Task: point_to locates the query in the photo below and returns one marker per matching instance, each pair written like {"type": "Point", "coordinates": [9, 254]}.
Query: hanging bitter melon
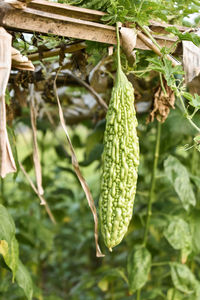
{"type": "Point", "coordinates": [120, 161]}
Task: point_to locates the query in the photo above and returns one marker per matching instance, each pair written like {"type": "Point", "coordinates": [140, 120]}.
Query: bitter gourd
{"type": "Point", "coordinates": [120, 161]}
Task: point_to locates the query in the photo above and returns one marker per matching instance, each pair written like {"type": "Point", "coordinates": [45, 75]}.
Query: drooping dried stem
{"type": "Point", "coordinates": [97, 97]}
{"type": "Point", "coordinates": [36, 159]}
{"type": "Point", "coordinates": [42, 200]}
{"type": "Point", "coordinates": [78, 172]}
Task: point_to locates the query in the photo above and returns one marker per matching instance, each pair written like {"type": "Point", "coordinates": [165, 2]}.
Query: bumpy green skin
{"type": "Point", "coordinates": [120, 163]}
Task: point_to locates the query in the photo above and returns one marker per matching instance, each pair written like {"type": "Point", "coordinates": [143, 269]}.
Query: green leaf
{"type": "Point", "coordinates": [194, 221]}
{"type": "Point", "coordinates": [139, 265]}
{"type": "Point", "coordinates": [197, 142]}
{"type": "Point", "coordinates": [165, 67]}
{"type": "Point", "coordinates": [116, 13]}
{"type": "Point", "coordinates": [95, 154]}
{"type": "Point", "coordinates": [188, 96]}
{"type": "Point", "coordinates": [179, 178]}
{"type": "Point", "coordinates": [96, 137]}
{"type": "Point", "coordinates": [183, 279]}
{"type": "Point", "coordinates": [195, 101]}
{"type": "Point", "coordinates": [10, 253]}
{"type": "Point", "coordinates": [46, 236]}
{"type": "Point", "coordinates": [154, 293]}
{"type": "Point", "coordinates": [173, 294]}
{"type": "Point", "coordinates": [8, 243]}
{"type": "Point", "coordinates": [12, 139]}
{"type": "Point", "coordinates": [7, 97]}
{"type": "Point", "coordinates": [115, 272]}
{"type": "Point", "coordinates": [28, 161]}
{"type": "Point", "coordinates": [179, 236]}
{"type": "Point", "coordinates": [187, 36]}
{"type": "Point", "coordinates": [156, 64]}
{"type": "Point", "coordinates": [24, 280]}
{"type": "Point", "coordinates": [103, 284]}
{"type": "Point", "coordinates": [7, 226]}
{"type": "Point", "coordinates": [3, 248]}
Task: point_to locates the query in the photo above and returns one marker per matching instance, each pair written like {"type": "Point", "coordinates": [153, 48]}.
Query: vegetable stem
{"type": "Point", "coordinates": [153, 182]}
{"type": "Point", "coordinates": [118, 46]}
{"type": "Point", "coordinates": [118, 51]}
{"type": "Point", "coordinates": [162, 84]}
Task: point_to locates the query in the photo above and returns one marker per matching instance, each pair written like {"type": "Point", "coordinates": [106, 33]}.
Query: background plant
{"type": "Point", "coordinates": [159, 257]}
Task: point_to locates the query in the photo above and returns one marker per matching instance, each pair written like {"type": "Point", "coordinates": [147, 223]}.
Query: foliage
{"type": "Point", "coordinates": [185, 36]}
{"type": "Point", "coordinates": [47, 249]}
{"type": "Point", "coordinates": [139, 265]}
{"type": "Point", "coordinates": [140, 10]}
{"type": "Point", "coordinates": [158, 259]}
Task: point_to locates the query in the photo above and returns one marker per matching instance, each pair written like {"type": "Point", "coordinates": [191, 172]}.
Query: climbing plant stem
{"type": "Point", "coordinates": [153, 182]}
{"type": "Point", "coordinates": [138, 294]}
{"type": "Point", "coordinates": [162, 84]}
{"type": "Point", "coordinates": [145, 30]}
{"type": "Point", "coordinates": [118, 50]}
{"type": "Point", "coordinates": [152, 188]}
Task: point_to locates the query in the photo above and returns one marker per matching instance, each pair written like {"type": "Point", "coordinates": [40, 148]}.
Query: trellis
{"type": "Point", "coordinates": [69, 21]}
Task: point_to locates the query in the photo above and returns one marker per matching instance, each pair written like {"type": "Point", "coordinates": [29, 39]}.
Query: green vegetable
{"type": "Point", "coordinates": [120, 161]}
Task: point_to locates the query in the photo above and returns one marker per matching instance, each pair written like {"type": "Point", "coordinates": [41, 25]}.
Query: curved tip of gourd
{"type": "Point", "coordinates": [110, 249]}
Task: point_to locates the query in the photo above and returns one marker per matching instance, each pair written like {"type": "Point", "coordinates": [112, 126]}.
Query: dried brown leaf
{"type": "Point", "coordinates": [20, 61]}
{"type": "Point", "coordinates": [129, 39]}
{"type": "Point", "coordinates": [191, 60]}
{"type": "Point", "coordinates": [163, 102]}
{"type": "Point", "coordinates": [7, 163]}
{"type": "Point", "coordinates": [78, 173]}
{"type": "Point", "coordinates": [97, 97]}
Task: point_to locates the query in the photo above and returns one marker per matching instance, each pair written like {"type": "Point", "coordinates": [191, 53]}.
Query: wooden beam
{"type": "Point", "coordinates": [32, 20]}
{"type": "Point", "coordinates": [51, 53]}
{"type": "Point", "coordinates": [88, 14]}
{"type": "Point", "coordinates": [160, 27]}
{"type": "Point", "coordinates": [42, 22]}
{"type": "Point", "coordinates": [67, 10]}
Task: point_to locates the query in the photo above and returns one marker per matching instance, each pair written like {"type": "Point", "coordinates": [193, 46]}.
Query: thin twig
{"type": "Point", "coordinates": [98, 98]}
{"type": "Point", "coordinates": [36, 159]}
{"type": "Point", "coordinates": [47, 208]}
{"type": "Point", "coordinates": [70, 48]}
{"type": "Point", "coordinates": [78, 172]}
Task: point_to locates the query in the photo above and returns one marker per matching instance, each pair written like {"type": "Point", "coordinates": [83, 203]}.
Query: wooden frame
{"type": "Point", "coordinates": [68, 21]}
